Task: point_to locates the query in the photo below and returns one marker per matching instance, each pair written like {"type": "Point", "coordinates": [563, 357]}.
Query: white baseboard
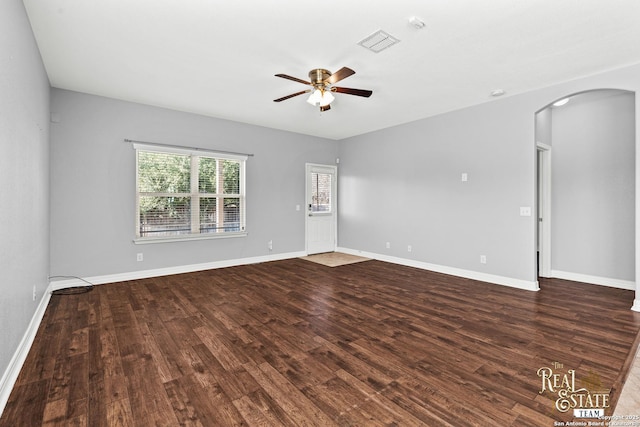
{"type": "Point", "coordinates": [636, 305]}
{"type": "Point", "coordinates": [594, 280]}
{"type": "Point", "coordinates": [467, 274]}
{"type": "Point", "coordinates": [157, 272]}
{"type": "Point", "coordinates": [10, 375]}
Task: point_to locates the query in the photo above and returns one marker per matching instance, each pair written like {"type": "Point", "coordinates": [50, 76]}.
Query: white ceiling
{"type": "Point", "coordinates": [218, 58]}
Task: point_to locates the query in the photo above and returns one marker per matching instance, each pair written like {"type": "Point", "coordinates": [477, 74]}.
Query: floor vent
{"type": "Point", "coordinates": [378, 41]}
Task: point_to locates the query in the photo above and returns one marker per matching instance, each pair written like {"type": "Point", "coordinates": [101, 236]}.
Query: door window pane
{"type": "Point", "coordinates": [321, 192]}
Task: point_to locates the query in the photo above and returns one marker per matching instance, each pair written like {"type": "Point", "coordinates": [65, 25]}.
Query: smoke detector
{"type": "Point", "coordinates": [417, 22]}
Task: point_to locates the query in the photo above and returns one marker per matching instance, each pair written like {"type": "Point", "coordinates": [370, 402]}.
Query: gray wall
{"type": "Point", "coordinates": [24, 177]}
{"type": "Point", "coordinates": [402, 185]}
{"type": "Point", "coordinates": [593, 191]}
{"type": "Point", "coordinates": [93, 185]}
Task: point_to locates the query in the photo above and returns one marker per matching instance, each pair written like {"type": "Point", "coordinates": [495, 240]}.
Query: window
{"type": "Point", "coordinates": [187, 194]}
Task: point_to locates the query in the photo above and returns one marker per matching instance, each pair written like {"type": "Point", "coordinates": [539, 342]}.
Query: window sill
{"type": "Point", "coordinates": [184, 238]}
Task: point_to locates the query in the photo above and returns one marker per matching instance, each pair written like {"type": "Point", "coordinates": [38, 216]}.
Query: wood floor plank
{"type": "Point", "coordinates": [61, 376]}
{"type": "Point", "coordinates": [338, 357]}
{"type": "Point", "coordinates": [185, 412]}
{"type": "Point", "coordinates": [118, 414]}
{"type": "Point", "coordinates": [289, 398]}
{"type": "Point", "coordinates": [78, 386]}
{"type": "Point", "coordinates": [212, 406]}
{"type": "Point", "coordinates": [29, 408]}
{"type": "Point", "coordinates": [107, 362]}
{"type": "Point", "coordinates": [291, 343]}
{"type": "Point", "coordinates": [377, 404]}
{"type": "Point", "coordinates": [268, 407]}
{"type": "Point", "coordinates": [252, 413]}
{"type": "Point", "coordinates": [147, 396]}
{"type": "Point", "coordinates": [55, 412]}
{"type": "Point", "coordinates": [335, 397]}
{"type": "Point", "coordinates": [230, 360]}
{"type": "Point", "coordinates": [163, 350]}
{"type": "Point", "coordinates": [235, 383]}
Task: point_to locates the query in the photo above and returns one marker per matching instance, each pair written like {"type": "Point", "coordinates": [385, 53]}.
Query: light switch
{"type": "Point", "coordinates": [525, 211]}
{"type": "Point", "coordinates": [465, 177]}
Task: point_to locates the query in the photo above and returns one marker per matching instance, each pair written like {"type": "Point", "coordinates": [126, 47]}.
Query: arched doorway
{"type": "Point", "coordinates": [586, 188]}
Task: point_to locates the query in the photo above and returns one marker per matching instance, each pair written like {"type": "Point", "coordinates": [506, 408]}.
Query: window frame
{"type": "Point", "coordinates": [193, 194]}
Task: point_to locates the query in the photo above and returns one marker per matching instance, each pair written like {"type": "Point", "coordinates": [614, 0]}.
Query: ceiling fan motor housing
{"type": "Point", "coordinates": [318, 76]}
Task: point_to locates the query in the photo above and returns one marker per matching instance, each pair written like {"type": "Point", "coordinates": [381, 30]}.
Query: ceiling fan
{"type": "Point", "coordinates": [321, 83]}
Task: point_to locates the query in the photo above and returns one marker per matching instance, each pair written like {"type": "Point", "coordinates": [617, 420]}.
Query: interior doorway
{"type": "Point", "coordinates": [543, 166]}
{"type": "Point", "coordinates": [585, 228]}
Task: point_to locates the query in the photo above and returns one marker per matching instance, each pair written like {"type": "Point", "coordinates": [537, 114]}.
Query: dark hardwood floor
{"type": "Point", "coordinates": [295, 343]}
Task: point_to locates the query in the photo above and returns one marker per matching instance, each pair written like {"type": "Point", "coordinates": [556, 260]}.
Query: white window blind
{"type": "Point", "coordinates": [183, 193]}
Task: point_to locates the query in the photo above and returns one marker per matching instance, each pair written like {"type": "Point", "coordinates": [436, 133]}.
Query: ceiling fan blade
{"type": "Point", "coordinates": [292, 95]}
{"type": "Point", "coordinates": [325, 108]}
{"type": "Point", "coordinates": [295, 79]}
{"type": "Point", "coordinates": [342, 73]}
{"type": "Point", "coordinates": [350, 91]}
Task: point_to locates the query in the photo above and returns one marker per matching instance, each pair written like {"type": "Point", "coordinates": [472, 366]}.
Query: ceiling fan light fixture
{"type": "Point", "coordinates": [327, 98]}
{"type": "Point", "coordinates": [315, 98]}
{"type": "Point", "coordinates": [320, 98]}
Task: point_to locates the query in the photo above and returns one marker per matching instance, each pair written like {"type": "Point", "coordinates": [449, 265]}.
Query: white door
{"type": "Point", "coordinates": [321, 208]}
{"type": "Point", "coordinates": [544, 209]}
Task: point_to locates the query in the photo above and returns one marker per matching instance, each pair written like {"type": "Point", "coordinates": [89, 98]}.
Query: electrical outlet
{"type": "Point", "coordinates": [388, 245]}
{"type": "Point", "coordinates": [139, 257]}
{"type": "Point", "coordinates": [409, 248]}
{"type": "Point", "coordinates": [270, 245]}
{"type": "Point", "coordinates": [483, 259]}
{"type": "Point", "coordinates": [35, 292]}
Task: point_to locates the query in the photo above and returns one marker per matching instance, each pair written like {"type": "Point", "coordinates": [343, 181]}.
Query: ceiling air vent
{"type": "Point", "coordinates": [378, 41]}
